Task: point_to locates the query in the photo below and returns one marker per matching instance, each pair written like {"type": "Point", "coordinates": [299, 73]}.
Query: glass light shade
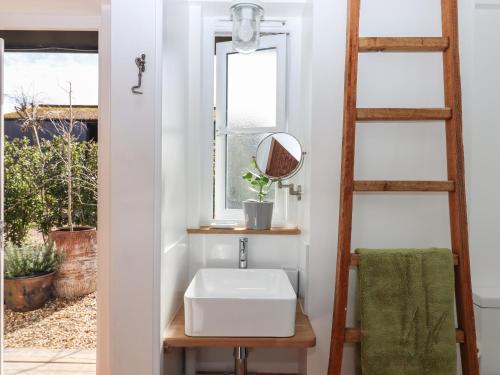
{"type": "Point", "coordinates": [246, 18]}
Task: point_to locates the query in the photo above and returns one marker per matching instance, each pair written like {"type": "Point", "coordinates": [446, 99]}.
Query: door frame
{"type": "Point", "coordinates": [87, 23]}
{"type": "Point", "coordinates": [2, 242]}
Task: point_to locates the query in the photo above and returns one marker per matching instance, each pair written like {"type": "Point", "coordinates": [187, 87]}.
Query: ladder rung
{"type": "Point", "coordinates": [353, 335]}
{"type": "Point", "coordinates": [381, 185]}
{"type": "Point", "coordinates": [392, 44]}
{"type": "Point", "coordinates": [355, 260]}
{"type": "Point", "coordinates": [402, 114]}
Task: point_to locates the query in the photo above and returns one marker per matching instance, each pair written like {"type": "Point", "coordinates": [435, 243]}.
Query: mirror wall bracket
{"type": "Point", "coordinates": [291, 189]}
{"type": "Point", "coordinates": [141, 65]}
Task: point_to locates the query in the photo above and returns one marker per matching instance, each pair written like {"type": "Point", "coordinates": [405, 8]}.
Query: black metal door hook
{"type": "Point", "coordinates": [141, 65]}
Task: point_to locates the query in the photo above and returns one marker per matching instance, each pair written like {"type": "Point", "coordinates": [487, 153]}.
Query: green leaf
{"type": "Point", "coordinates": [258, 182]}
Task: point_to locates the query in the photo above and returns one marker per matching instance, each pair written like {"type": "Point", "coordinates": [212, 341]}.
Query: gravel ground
{"type": "Point", "coordinates": [60, 324]}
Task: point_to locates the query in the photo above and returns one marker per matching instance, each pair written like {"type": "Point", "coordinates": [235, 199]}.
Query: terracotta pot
{"type": "Point", "coordinates": [77, 274]}
{"type": "Point", "coordinates": [27, 293]}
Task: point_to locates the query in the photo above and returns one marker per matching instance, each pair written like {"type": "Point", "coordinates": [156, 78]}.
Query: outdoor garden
{"type": "Point", "coordinates": [50, 229]}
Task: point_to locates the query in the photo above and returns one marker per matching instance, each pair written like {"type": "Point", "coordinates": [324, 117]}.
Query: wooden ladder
{"type": "Point", "coordinates": [454, 186]}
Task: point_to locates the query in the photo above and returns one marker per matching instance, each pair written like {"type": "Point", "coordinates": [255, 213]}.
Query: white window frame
{"type": "Point", "coordinates": [278, 42]}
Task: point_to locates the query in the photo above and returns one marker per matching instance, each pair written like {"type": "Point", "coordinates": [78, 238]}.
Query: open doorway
{"type": "Point", "coordinates": [50, 182]}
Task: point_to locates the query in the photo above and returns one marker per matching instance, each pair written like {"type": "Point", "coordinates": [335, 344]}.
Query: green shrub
{"type": "Point", "coordinates": [84, 175]}
{"type": "Point", "coordinates": [26, 179]}
{"type": "Point", "coordinates": [30, 260]}
{"type": "Point", "coordinates": [85, 183]}
{"type": "Point", "coordinates": [23, 205]}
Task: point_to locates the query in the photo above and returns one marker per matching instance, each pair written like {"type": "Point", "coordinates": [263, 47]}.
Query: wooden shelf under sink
{"type": "Point", "coordinates": [304, 337]}
{"type": "Point", "coordinates": [274, 230]}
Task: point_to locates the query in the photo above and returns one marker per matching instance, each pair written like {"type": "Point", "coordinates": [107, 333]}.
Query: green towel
{"type": "Point", "coordinates": [407, 312]}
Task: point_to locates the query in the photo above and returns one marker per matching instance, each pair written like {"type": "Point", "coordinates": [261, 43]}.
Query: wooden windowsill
{"type": "Point", "coordinates": [211, 230]}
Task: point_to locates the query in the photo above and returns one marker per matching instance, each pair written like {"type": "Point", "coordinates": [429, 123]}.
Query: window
{"type": "Point", "coordinates": [250, 103]}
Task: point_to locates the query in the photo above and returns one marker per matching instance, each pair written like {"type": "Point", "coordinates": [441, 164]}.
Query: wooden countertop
{"type": "Point", "coordinates": [238, 230]}
{"type": "Point", "coordinates": [304, 336]}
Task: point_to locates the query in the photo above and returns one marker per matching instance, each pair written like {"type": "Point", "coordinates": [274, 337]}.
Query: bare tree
{"type": "Point", "coordinates": [69, 128]}
{"type": "Point", "coordinates": [31, 117]}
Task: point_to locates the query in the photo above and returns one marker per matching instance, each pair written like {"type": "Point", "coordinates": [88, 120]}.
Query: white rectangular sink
{"type": "Point", "coordinates": [224, 302]}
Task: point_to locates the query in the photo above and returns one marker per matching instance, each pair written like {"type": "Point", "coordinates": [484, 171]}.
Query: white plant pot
{"type": "Point", "coordinates": [258, 215]}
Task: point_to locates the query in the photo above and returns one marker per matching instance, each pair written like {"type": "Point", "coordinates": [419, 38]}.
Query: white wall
{"type": "Point", "coordinates": [142, 217]}
{"type": "Point", "coordinates": [53, 7]}
{"type": "Point", "coordinates": [264, 361]}
{"type": "Point", "coordinates": [129, 339]}
{"type": "Point", "coordinates": [221, 251]}
{"type": "Point", "coordinates": [53, 15]}
{"type": "Point", "coordinates": [327, 66]}
{"type": "Point", "coordinates": [174, 264]}
{"type": "Point", "coordinates": [483, 139]}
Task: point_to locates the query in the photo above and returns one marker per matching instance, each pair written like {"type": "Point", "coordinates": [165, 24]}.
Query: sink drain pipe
{"type": "Point", "coordinates": [240, 360]}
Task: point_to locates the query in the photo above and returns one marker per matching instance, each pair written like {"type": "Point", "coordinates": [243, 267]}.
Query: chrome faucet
{"type": "Point", "coordinates": [243, 252]}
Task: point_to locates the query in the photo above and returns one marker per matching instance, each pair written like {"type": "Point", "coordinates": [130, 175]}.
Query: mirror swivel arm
{"type": "Point", "coordinates": [291, 189]}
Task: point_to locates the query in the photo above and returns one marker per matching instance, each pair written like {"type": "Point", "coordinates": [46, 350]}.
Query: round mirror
{"type": "Point", "coordinates": [279, 156]}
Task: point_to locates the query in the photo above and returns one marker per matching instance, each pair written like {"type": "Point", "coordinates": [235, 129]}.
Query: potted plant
{"type": "Point", "coordinates": [77, 274]}
{"type": "Point", "coordinates": [258, 212]}
{"type": "Point", "coordinates": [29, 272]}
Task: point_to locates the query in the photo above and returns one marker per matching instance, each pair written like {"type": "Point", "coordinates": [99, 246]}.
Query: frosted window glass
{"type": "Point", "coordinates": [251, 89]}
{"type": "Point", "coordinates": [240, 149]}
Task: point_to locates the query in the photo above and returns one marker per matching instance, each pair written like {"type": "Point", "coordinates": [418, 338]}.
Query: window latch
{"type": "Point", "coordinates": [220, 132]}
